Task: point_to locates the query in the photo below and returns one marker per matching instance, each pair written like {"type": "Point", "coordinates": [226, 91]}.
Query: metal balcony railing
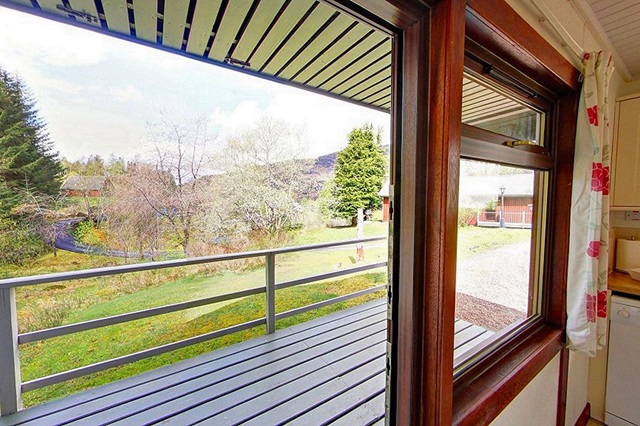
{"type": "Point", "coordinates": [11, 386]}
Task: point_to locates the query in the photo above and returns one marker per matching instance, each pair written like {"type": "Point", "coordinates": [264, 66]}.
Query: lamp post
{"type": "Point", "coordinates": [502, 189]}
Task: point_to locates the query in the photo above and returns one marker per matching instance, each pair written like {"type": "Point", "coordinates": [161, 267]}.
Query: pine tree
{"type": "Point", "coordinates": [27, 159]}
{"type": "Point", "coordinates": [360, 171]}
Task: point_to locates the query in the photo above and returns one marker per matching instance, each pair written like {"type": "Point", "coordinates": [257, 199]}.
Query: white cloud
{"type": "Point", "coordinates": [127, 94]}
{"type": "Point", "coordinates": [231, 123]}
{"type": "Point", "coordinates": [326, 121]}
{"type": "Point", "coordinates": [60, 86]}
{"type": "Point", "coordinates": [50, 42]}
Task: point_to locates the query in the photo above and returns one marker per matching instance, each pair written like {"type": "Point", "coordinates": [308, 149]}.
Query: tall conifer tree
{"type": "Point", "coordinates": [360, 171]}
{"type": "Point", "coordinates": [27, 158]}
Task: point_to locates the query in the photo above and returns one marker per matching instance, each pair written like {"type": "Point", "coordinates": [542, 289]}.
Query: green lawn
{"type": "Point", "coordinates": [319, 235]}
{"type": "Point", "coordinates": [59, 354]}
{"type": "Point", "coordinates": [473, 240]}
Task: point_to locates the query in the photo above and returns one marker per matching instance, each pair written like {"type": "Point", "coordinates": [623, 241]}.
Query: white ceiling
{"type": "Point", "coordinates": [618, 22]}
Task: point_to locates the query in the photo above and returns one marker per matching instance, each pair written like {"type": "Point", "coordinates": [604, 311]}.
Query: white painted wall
{"type": "Point", "coordinates": [536, 405]}
{"type": "Point", "coordinates": [577, 387]}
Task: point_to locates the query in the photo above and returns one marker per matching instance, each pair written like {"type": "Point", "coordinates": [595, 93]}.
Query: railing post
{"type": "Point", "coordinates": [270, 269]}
{"type": "Point", "coordinates": [10, 381]}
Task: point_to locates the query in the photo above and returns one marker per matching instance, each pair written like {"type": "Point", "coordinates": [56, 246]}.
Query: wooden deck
{"type": "Point", "coordinates": [329, 370]}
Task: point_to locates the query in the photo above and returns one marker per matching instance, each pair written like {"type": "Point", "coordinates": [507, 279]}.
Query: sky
{"type": "Point", "coordinates": [98, 94]}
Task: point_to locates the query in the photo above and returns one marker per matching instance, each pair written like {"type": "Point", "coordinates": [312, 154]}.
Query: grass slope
{"type": "Point", "coordinates": [59, 354]}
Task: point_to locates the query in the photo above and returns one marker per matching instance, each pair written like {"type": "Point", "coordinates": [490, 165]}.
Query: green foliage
{"type": "Point", "coordinates": [18, 243]}
{"type": "Point", "coordinates": [95, 165]}
{"type": "Point", "coordinates": [27, 159]}
{"type": "Point", "coordinates": [466, 216]}
{"type": "Point", "coordinates": [328, 199]}
{"type": "Point", "coordinates": [87, 233]}
{"type": "Point", "coordinates": [360, 171]}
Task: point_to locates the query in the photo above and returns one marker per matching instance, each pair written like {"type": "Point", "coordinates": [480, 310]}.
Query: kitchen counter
{"type": "Point", "coordinates": [623, 283]}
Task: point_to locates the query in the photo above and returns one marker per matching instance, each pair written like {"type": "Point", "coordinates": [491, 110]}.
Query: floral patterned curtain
{"type": "Point", "coordinates": [588, 249]}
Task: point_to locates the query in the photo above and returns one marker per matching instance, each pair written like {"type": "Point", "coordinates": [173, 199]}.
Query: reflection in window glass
{"type": "Point", "coordinates": [488, 109]}
{"type": "Point", "coordinates": [496, 217]}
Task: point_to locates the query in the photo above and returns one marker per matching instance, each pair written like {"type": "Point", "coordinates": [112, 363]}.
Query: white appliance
{"type": "Point", "coordinates": [622, 406]}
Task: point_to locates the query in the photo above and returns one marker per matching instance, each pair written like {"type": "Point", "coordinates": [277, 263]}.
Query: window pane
{"type": "Point", "coordinates": [496, 271]}
{"type": "Point", "coordinates": [485, 107]}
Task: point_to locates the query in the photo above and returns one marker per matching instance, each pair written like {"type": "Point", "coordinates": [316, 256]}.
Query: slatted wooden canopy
{"type": "Point", "coordinates": [481, 104]}
{"type": "Point", "coordinates": [305, 43]}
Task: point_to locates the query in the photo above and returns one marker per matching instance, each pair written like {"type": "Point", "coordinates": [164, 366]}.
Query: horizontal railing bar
{"type": "Point", "coordinates": [132, 316]}
{"type": "Point", "coordinates": [128, 359]}
{"type": "Point", "coordinates": [309, 247]}
{"type": "Point", "coordinates": [328, 302]}
{"type": "Point", "coordinates": [124, 269]}
{"type": "Point", "coordinates": [328, 275]}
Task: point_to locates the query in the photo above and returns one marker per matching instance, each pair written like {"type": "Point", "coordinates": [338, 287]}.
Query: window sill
{"type": "Point", "coordinates": [485, 390]}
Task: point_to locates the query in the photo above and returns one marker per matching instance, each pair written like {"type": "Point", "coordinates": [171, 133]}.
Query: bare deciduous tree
{"type": "Point", "coordinates": [174, 187]}
{"type": "Point", "coordinates": [133, 225]}
{"type": "Point", "coordinates": [263, 182]}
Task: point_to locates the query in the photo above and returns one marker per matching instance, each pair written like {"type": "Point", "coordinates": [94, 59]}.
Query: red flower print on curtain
{"type": "Point", "coordinates": [602, 304]}
{"type": "Point", "coordinates": [591, 307]}
{"type": "Point", "coordinates": [593, 249]}
{"type": "Point", "coordinates": [600, 178]}
{"type": "Point", "coordinates": [596, 306]}
{"type": "Point", "coordinates": [593, 115]}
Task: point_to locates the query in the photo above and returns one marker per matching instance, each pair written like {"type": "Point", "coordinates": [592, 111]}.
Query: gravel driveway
{"type": "Point", "coordinates": [493, 287]}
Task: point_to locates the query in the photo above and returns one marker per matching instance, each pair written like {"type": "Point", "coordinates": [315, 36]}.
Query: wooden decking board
{"type": "Point", "coordinates": [106, 396]}
{"type": "Point", "coordinates": [328, 370]}
{"type": "Point", "coordinates": [338, 404]}
{"type": "Point", "coordinates": [315, 397]}
{"type": "Point", "coordinates": [368, 413]}
{"type": "Point", "coordinates": [472, 343]}
{"type": "Point", "coordinates": [467, 335]}
{"type": "Point", "coordinates": [460, 325]}
{"type": "Point", "coordinates": [378, 423]}
{"type": "Point", "coordinates": [228, 378]}
{"type": "Point", "coordinates": [237, 414]}
{"type": "Point", "coordinates": [208, 388]}
{"type": "Point", "coordinates": [248, 406]}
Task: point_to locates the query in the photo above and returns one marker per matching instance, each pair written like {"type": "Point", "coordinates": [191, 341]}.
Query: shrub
{"type": "Point", "coordinates": [18, 243]}
{"type": "Point", "coordinates": [87, 233]}
{"type": "Point", "coordinates": [466, 216]}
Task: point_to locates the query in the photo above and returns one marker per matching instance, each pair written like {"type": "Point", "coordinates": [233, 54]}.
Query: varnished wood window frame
{"type": "Point", "coordinates": [498, 35]}
{"type": "Point", "coordinates": [429, 49]}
